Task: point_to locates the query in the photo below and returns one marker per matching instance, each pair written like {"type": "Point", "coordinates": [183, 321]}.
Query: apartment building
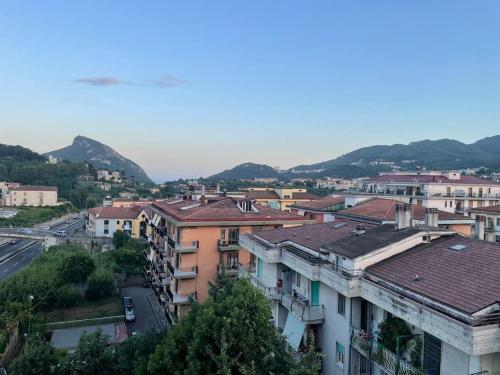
{"type": "Point", "coordinates": [195, 238]}
{"type": "Point", "coordinates": [321, 210]}
{"type": "Point", "coordinates": [345, 281]}
{"type": "Point", "coordinates": [448, 191]}
{"type": "Point", "coordinates": [487, 223]}
{"type": "Point", "coordinates": [381, 211]}
{"type": "Point", "coordinates": [279, 198]}
{"type": "Point", "coordinates": [30, 195]}
{"type": "Point", "coordinates": [105, 221]}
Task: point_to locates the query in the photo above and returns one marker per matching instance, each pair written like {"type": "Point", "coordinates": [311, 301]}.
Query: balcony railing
{"type": "Point", "coordinates": [182, 298]}
{"type": "Point", "coordinates": [192, 248]}
{"type": "Point", "coordinates": [228, 245]}
{"type": "Point", "coordinates": [185, 272]}
{"type": "Point", "coordinates": [228, 269]}
{"type": "Point", "coordinates": [270, 292]}
{"type": "Point", "coordinates": [364, 343]}
{"type": "Point", "coordinates": [302, 310]}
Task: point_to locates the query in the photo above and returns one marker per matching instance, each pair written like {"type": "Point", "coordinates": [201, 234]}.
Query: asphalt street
{"type": "Point", "coordinates": [17, 256]}
{"type": "Point", "coordinates": [148, 313]}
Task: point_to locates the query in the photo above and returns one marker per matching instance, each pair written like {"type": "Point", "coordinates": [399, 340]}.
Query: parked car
{"type": "Point", "coordinates": [128, 307]}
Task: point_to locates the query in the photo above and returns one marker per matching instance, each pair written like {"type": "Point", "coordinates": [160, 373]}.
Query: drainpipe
{"type": "Point", "coordinates": [350, 334]}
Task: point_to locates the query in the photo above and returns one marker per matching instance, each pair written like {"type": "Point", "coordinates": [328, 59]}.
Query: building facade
{"type": "Point", "coordinates": [105, 221]}
{"type": "Point", "coordinates": [487, 223]}
{"type": "Point", "coordinates": [279, 198]}
{"type": "Point", "coordinates": [344, 282]}
{"type": "Point", "coordinates": [447, 191]}
{"type": "Point", "coordinates": [30, 195]}
{"type": "Point", "coordinates": [195, 238]}
{"type": "Point", "coordinates": [321, 210]}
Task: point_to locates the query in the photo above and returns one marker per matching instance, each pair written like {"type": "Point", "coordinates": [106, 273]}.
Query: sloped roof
{"type": "Point", "coordinates": [33, 188]}
{"type": "Point", "coordinates": [312, 236]}
{"type": "Point", "coordinates": [262, 194]}
{"type": "Point", "coordinates": [492, 209]}
{"type": "Point", "coordinates": [383, 210]}
{"type": "Point", "coordinates": [225, 209]}
{"type": "Point", "coordinates": [411, 178]}
{"type": "Point", "coordinates": [319, 204]}
{"type": "Point", "coordinates": [467, 280]}
{"type": "Point", "coordinates": [116, 212]}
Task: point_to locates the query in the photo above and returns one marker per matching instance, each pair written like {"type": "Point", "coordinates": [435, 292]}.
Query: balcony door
{"type": "Point", "coordinates": [314, 293]}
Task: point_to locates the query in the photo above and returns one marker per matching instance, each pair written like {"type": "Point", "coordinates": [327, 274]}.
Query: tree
{"type": "Point", "coordinates": [92, 356]}
{"type": "Point", "coordinates": [390, 329]}
{"type": "Point", "coordinates": [100, 284]}
{"type": "Point", "coordinates": [132, 355]}
{"type": "Point", "coordinates": [68, 296]}
{"type": "Point", "coordinates": [38, 357]}
{"type": "Point", "coordinates": [76, 267]}
{"type": "Point", "coordinates": [120, 239]}
{"type": "Point", "coordinates": [229, 333]}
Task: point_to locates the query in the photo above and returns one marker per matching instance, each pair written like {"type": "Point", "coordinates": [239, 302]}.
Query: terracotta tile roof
{"type": "Point", "coordinates": [33, 188]}
{"type": "Point", "coordinates": [492, 209]}
{"type": "Point", "coordinates": [305, 195]}
{"type": "Point", "coordinates": [225, 209]}
{"type": "Point", "coordinates": [383, 210]}
{"type": "Point", "coordinates": [469, 180]}
{"type": "Point", "coordinates": [116, 212]}
{"type": "Point", "coordinates": [312, 236]}
{"type": "Point", "coordinates": [320, 204]}
{"type": "Point", "coordinates": [467, 280]}
{"type": "Point", "coordinates": [262, 194]}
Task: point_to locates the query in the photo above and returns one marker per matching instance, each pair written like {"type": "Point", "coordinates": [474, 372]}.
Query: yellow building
{"type": "Point", "coordinates": [29, 195]}
{"type": "Point", "coordinates": [105, 221]}
{"type": "Point", "coordinates": [279, 198]}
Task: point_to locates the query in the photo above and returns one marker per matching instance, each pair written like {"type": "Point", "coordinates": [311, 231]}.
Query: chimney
{"type": "Point", "coordinates": [431, 217]}
{"type": "Point", "coordinates": [203, 200]}
{"type": "Point", "coordinates": [479, 230]}
{"type": "Point", "coordinates": [403, 216]}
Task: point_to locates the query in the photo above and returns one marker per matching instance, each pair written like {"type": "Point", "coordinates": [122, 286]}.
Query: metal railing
{"type": "Point", "coordinates": [302, 310]}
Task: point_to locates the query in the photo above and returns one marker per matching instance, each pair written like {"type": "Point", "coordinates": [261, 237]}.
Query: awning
{"type": "Point", "coordinates": [294, 330]}
{"type": "Point", "coordinates": [156, 219]}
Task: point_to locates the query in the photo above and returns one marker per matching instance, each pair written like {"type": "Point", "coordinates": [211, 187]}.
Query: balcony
{"type": "Point", "coordinates": [184, 249]}
{"type": "Point", "coordinates": [302, 310]}
{"type": "Point", "coordinates": [271, 292]}
{"type": "Point", "coordinates": [228, 269]}
{"type": "Point", "coordinates": [231, 245]}
{"type": "Point", "coordinates": [185, 272]}
{"type": "Point", "coordinates": [365, 344]}
{"type": "Point", "coordinates": [182, 298]}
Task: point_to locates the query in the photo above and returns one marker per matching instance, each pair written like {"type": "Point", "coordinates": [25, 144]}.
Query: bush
{"type": "Point", "coordinates": [100, 284]}
{"type": "Point", "coordinates": [76, 267]}
{"type": "Point", "coordinates": [67, 296]}
{"type": "Point", "coordinates": [390, 329]}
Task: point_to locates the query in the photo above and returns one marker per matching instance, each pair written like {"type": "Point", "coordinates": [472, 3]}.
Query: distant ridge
{"type": "Point", "coordinates": [101, 156]}
{"type": "Point", "coordinates": [439, 154]}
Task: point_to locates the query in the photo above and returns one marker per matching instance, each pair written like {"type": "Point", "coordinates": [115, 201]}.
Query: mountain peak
{"type": "Point", "coordinates": [101, 156]}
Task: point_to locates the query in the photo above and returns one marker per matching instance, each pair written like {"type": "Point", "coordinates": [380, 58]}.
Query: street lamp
{"type": "Point", "coordinates": [31, 298]}
{"type": "Point", "coordinates": [397, 348]}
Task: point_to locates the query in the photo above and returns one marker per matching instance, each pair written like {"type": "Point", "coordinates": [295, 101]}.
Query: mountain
{"type": "Point", "coordinates": [247, 170]}
{"type": "Point", "coordinates": [100, 156]}
{"type": "Point", "coordinates": [439, 154]}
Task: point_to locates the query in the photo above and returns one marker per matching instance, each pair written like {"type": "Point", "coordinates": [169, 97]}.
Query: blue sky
{"type": "Point", "coordinates": [194, 87]}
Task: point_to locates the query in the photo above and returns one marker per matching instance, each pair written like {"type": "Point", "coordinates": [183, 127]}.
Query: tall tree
{"type": "Point", "coordinates": [37, 358]}
{"type": "Point", "coordinates": [230, 333]}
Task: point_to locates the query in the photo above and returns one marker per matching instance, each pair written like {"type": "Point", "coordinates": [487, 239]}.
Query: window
{"type": "Point", "coordinates": [446, 203]}
{"type": "Point", "coordinates": [106, 231]}
{"type": "Point", "coordinates": [222, 234]}
{"type": "Point", "coordinates": [117, 221]}
{"type": "Point", "coordinates": [106, 222]}
{"type": "Point", "coordinates": [341, 304]}
{"type": "Point", "coordinates": [451, 203]}
{"type": "Point", "coordinates": [339, 357]}
{"type": "Point", "coordinates": [498, 221]}
{"type": "Point", "coordinates": [286, 197]}
{"type": "Point", "coordinates": [297, 279]}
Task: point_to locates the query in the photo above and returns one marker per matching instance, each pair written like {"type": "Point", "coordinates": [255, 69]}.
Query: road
{"type": "Point", "coordinates": [17, 256]}
{"type": "Point", "coordinates": [148, 313]}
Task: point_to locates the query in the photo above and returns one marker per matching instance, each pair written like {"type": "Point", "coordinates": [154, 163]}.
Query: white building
{"type": "Point", "coordinates": [448, 191]}
{"type": "Point", "coordinates": [29, 195]}
{"type": "Point", "coordinates": [487, 226]}
{"type": "Point", "coordinates": [341, 281]}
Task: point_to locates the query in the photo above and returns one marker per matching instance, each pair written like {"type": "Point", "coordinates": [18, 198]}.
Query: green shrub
{"type": "Point", "coordinates": [76, 267]}
{"type": "Point", "coordinates": [100, 284]}
{"type": "Point", "coordinates": [390, 329]}
{"type": "Point", "coordinates": [67, 296]}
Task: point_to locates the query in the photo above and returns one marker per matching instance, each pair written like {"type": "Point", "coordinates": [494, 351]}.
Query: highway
{"type": "Point", "coordinates": [13, 257]}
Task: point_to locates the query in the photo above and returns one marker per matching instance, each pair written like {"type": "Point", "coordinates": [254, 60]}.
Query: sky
{"type": "Point", "coordinates": [190, 88]}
